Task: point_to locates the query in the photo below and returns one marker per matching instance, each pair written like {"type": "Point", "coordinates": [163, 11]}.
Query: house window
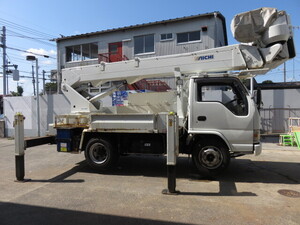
{"type": "Point", "coordinates": [81, 52]}
{"type": "Point", "coordinates": [188, 37]}
{"type": "Point", "coordinates": [166, 37]}
{"type": "Point", "coordinates": [144, 44]}
{"type": "Point", "coordinates": [113, 48]}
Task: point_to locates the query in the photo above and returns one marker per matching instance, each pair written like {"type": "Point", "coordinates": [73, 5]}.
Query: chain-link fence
{"type": "Point", "coordinates": [276, 120]}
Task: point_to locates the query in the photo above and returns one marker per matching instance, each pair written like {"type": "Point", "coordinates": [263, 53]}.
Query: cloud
{"type": "Point", "coordinates": [40, 51]}
{"type": "Point", "coordinates": [52, 52]}
{"type": "Point", "coordinates": [47, 62]}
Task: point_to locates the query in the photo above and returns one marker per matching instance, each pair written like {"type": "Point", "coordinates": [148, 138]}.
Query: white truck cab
{"type": "Point", "coordinates": [222, 114]}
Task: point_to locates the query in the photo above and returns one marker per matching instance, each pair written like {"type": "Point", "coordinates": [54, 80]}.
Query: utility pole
{"type": "Point", "coordinates": [37, 96]}
{"type": "Point", "coordinates": [33, 58]}
{"type": "Point", "coordinates": [4, 59]}
{"type": "Point", "coordinates": [284, 72]}
{"type": "Point", "coordinates": [33, 80]}
{"type": "Point", "coordinates": [44, 82]}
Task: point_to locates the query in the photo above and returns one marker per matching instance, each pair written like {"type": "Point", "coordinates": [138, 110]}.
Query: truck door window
{"type": "Point", "coordinates": [227, 94]}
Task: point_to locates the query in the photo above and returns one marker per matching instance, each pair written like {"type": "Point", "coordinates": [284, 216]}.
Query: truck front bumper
{"type": "Point", "coordinates": [257, 149]}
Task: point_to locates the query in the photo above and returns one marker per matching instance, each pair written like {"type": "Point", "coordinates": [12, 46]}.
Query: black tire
{"type": "Point", "coordinates": [210, 156]}
{"type": "Point", "coordinates": [100, 154]}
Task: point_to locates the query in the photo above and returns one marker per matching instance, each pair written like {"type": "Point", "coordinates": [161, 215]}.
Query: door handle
{"type": "Point", "coordinates": [201, 118]}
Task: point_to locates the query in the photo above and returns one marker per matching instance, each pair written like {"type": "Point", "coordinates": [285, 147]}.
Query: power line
{"type": "Point", "coordinates": [15, 46]}
{"type": "Point", "coordinates": [26, 29]}
{"type": "Point", "coordinates": [36, 39]}
{"type": "Point", "coordinates": [21, 50]}
{"type": "Point", "coordinates": [16, 56]}
{"type": "Point", "coordinates": [30, 77]}
{"type": "Point", "coordinates": [8, 57]}
{"type": "Point", "coordinates": [28, 23]}
{"type": "Point", "coordinates": [24, 36]}
{"type": "Point", "coordinates": [17, 59]}
{"type": "Point", "coordinates": [18, 47]}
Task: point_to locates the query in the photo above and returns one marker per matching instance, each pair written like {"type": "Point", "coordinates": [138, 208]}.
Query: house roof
{"type": "Point", "coordinates": [212, 14]}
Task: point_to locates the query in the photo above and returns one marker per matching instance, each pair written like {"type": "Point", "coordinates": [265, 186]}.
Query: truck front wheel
{"type": "Point", "coordinates": [100, 154]}
{"type": "Point", "coordinates": [211, 156]}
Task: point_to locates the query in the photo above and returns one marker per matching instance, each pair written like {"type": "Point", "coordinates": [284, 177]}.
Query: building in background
{"type": "Point", "coordinates": [1, 104]}
{"type": "Point", "coordinates": [167, 37]}
{"type": "Point", "coordinates": [280, 102]}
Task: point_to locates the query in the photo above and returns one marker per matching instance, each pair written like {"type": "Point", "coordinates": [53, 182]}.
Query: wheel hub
{"type": "Point", "coordinates": [98, 153]}
{"type": "Point", "coordinates": [210, 157]}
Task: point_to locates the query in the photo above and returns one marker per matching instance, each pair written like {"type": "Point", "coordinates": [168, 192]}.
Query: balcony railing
{"type": "Point", "coordinates": [107, 57]}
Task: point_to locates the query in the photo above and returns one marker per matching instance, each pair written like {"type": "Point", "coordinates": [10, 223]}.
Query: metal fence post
{"type": "Point", "coordinates": [19, 147]}
{"type": "Point", "coordinates": [172, 152]}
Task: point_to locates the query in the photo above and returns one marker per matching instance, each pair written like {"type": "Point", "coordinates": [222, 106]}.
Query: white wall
{"type": "Point", "coordinates": [281, 98]}
{"type": "Point", "coordinates": [278, 106]}
{"type": "Point", "coordinates": [50, 106]}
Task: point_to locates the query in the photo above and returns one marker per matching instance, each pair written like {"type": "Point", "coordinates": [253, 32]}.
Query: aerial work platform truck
{"type": "Point", "coordinates": [210, 114]}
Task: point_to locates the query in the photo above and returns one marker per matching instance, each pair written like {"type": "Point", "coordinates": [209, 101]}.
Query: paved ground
{"type": "Point", "coordinates": [64, 190]}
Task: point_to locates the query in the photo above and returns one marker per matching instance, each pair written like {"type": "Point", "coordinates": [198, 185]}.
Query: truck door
{"type": "Point", "coordinates": [223, 107]}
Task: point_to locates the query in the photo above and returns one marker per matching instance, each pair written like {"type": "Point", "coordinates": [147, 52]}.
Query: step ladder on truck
{"type": "Point", "coordinates": [185, 120]}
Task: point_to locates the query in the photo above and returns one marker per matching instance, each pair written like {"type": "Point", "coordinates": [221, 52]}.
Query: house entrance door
{"type": "Point", "coordinates": [115, 52]}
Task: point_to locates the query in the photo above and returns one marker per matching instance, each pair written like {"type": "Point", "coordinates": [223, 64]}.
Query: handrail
{"type": "Point", "coordinates": [105, 57]}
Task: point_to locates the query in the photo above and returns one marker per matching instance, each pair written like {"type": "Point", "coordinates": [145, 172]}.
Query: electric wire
{"type": "Point", "coordinates": [27, 22]}
{"type": "Point", "coordinates": [21, 50]}
{"type": "Point", "coordinates": [36, 39]}
{"type": "Point", "coordinates": [36, 36]}
{"type": "Point", "coordinates": [16, 34]}
{"type": "Point", "coordinates": [26, 29]}
{"type": "Point", "coordinates": [16, 56]}
{"type": "Point", "coordinates": [18, 47]}
{"type": "Point", "coordinates": [39, 37]}
{"type": "Point", "coordinates": [30, 77]}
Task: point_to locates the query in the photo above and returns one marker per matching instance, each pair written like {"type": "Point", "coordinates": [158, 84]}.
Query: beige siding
{"type": "Point", "coordinates": [215, 31]}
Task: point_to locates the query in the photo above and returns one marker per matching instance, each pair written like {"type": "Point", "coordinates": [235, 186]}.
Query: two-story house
{"type": "Point", "coordinates": [173, 36]}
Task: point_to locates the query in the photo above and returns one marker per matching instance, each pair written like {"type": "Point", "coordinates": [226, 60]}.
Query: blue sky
{"type": "Point", "coordinates": [75, 17]}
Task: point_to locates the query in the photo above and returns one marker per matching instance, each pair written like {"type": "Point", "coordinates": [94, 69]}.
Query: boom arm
{"type": "Point", "coordinates": [270, 45]}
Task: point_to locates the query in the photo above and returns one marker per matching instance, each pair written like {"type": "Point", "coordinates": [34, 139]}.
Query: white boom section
{"type": "Point", "coordinates": [211, 60]}
{"type": "Point", "coordinates": [254, 59]}
{"type": "Point", "coordinates": [228, 58]}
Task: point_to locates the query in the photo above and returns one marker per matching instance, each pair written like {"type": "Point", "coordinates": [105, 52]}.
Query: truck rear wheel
{"type": "Point", "coordinates": [100, 154]}
{"type": "Point", "coordinates": [211, 156]}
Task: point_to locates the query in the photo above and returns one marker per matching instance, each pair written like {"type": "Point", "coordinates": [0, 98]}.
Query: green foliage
{"type": "Point", "coordinates": [267, 82]}
{"type": "Point", "coordinates": [19, 91]}
{"type": "Point", "coordinates": [51, 87]}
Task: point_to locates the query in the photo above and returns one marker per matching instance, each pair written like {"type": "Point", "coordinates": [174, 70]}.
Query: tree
{"type": "Point", "coordinates": [51, 87]}
{"type": "Point", "coordinates": [19, 91]}
{"type": "Point", "coordinates": [267, 82]}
